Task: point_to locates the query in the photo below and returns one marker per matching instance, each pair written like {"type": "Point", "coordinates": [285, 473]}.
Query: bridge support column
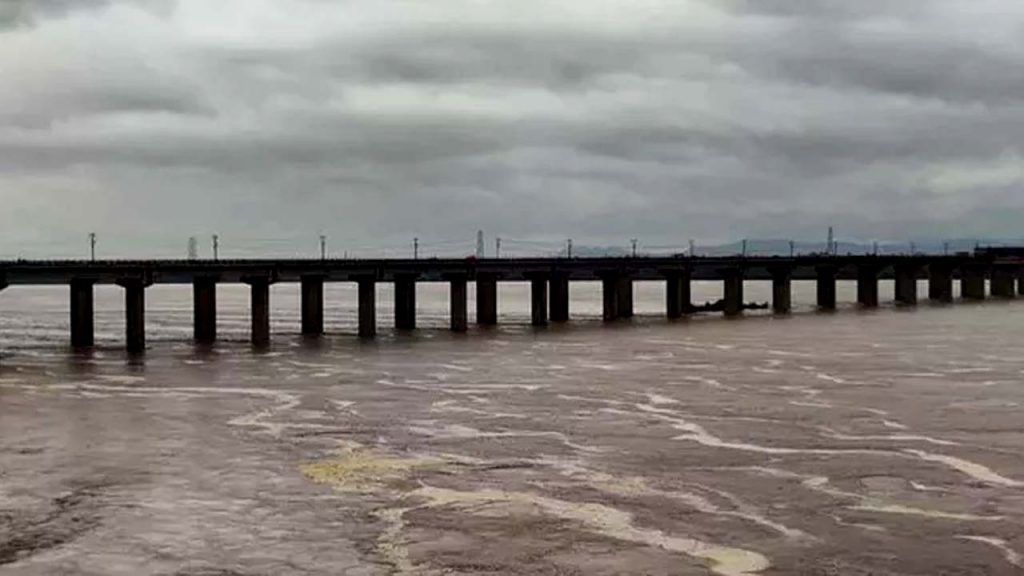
{"type": "Point", "coordinates": [405, 302]}
{"type": "Point", "coordinates": [940, 283]}
{"type": "Point", "coordinates": [486, 300]}
{"type": "Point", "coordinates": [457, 303]}
{"type": "Point", "coordinates": [367, 307]}
{"type": "Point", "coordinates": [312, 288]}
{"type": "Point", "coordinates": [625, 293]}
{"type": "Point", "coordinates": [1003, 282]}
{"type": "Point", "coordinates": [610, 297]}
{"type": "Point", "coordinates": [826, 287]}
{"type": "Point", "coordinates": [134, 314]}
{"type": "Point", "coordinates": [733, 292]}
{"type": "Point", "coordinates": [539, 301]}
{"type": "Point", "coordinates": [559, 293]}
{"type": "Point", "coordinates": [677, 293]}
{"type": "Point", "coordinates": [782, 290]}
{"type": "Point", "coordinates": [972, 282]}
{"type": "Point", "coordinates": [259, 309]}
{"type": "Point", "coordinates": [906, 284]}
{"type": "Point", "coordinates": [82, 332]}
{"type": "Point", "coordinates": [204, 310]}
{"type": "Point", "coordinates": [867, 286]}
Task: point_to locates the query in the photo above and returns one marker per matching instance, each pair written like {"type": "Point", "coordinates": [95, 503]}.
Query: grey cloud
{"type": "Point", "coordinates": [776, 118]}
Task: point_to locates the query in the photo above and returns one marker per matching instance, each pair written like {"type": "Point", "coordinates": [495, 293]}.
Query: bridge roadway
{"type": "Point", "coordinates": [549, 279]}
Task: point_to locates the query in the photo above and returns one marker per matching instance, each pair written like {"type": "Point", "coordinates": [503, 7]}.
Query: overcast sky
{"type": "Point", "coordinates": [373, 121]}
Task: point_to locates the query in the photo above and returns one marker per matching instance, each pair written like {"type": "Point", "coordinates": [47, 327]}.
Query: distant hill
{"type": "Point", "coordinates": [774, 247]}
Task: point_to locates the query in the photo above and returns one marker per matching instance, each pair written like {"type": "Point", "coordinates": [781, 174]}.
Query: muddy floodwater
{"type": "Point", "coordinates": [875, 443]}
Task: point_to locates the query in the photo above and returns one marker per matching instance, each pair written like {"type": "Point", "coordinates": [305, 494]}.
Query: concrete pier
{"type": "Point", "coordinates": [539, 301]}
{"type": "Point", "coordinates": [677, 293]}
{"type": "Point", "coordinates": [782, 290]}
{"type": "Point", "coordinates": [312, 291]}
{"type": "Point", "coordinates": [625, 294]}
{"type": "Point", "coordinates": [486, 299]}
{"type": "Point", "coordinates": [405, 302]}
{"type": "Point", "coordinates": [1003, 285]}
{"type": "Point", "coordinates": [940, 283]}
{"type": "Point", "coordinates": [559, 294]}
{"type": "Point", "coordinates": [259, 305]}
{"type": "Point", "coordinates": [826, 280]}
{"type": "Point", "coordinates": [905, 285]}
{"type": "Point", "coordinates": [134, 314]}
{"type": "Point", "coordinates": [609, 297]}
{"type": "Point", "coordinates": [733, 292]}
{"type": "Point", "coordinates": [867, 286]}
{"type": "Point", "coordinates": [457, 296]}
{"type": "Point", "coordinates": [367, 307]}
{"type": "Point", "coordinates": [204, 309]}
{"type": "Point", "coordinates": [82, 331]}
{"type": "Point", "coordinates": [972, 283]}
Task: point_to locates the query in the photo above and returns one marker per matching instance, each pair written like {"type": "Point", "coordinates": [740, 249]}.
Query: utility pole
{"type": "Point", "coordinates": [792, 249]}
{"type": "Point", "coordinates": [415, 248]}
{"type": "Point", "coordinates": [568, 248]}
{"type": "Point", "coordinates": [216, 247]}
{"type": "Point", "coordinates": [323, 247]}
{"type": "Point", "coordinates": [479, 243]}
{"type": "Point", "coordinates": [633, 242]}
{"type": "Point", "coordinates": [497, 247]}
{"type": "Point", "coordinates": [831, 237]}
{"type": "Point", "coordinates": [743, 250]}
{"type": "Point", "coordinates": [92, 246]}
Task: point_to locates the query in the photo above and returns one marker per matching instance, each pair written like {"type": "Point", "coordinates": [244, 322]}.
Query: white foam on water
{"type": "Point", "coordinates": [974, 470]}
{"type": "Point", "coordinates": [829, 378]}
{"type": "Point", "coordinates": [910, 511]}
{"type": "Point", "coordinates": [971, 370]}
{"type": "Point", "coordinates": [659, 399]}
{"type": "Point", "coordinates": [456, 367]}
{"type": "Point", "coordinates": [925, 488]}
{"type": "Point", "coordinates": [829, 433]}
{"type": "Point", "coordinates": [893, 425]}
{"type": "Point", "coordinates": [460, 431]}
{"type": "Point", "coordinates": [639, 487]}
{"type": "Point", "coordinates": [823, 485]}
{"type": "Point", "coordinates": [709, 382]}
{"type": "Point", "coordinates": [811, 404]}
{"type": "Point", "coordinates": [697, 433]}
{"type": "Point", "coordinates": [606, 521]}
{"type": "Point", "coordinates": [1011, 555]}
{"type": "Point", "coordinates": [869, 527]}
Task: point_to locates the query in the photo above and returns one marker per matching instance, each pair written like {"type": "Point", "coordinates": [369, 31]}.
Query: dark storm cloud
{"type": "Point", "coordinates": [380, 120]}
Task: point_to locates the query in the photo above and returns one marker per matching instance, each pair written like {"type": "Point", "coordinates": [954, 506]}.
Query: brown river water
{"type": "Point", "coordinates": [888, 442]}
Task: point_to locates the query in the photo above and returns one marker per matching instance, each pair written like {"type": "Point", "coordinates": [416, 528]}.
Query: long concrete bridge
{"type": "Point", "coordinates": [549, 279]}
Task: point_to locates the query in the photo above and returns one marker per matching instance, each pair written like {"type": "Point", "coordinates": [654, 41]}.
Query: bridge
{"type": "Point", "coordinates": [549, 279]}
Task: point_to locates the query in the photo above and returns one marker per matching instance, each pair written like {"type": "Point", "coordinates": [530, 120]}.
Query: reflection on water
{"type": "Point", "coordinates": [851, 443]}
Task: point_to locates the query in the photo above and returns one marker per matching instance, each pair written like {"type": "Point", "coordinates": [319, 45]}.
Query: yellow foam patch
{"type": "Point", "coordinates": [362, 470]}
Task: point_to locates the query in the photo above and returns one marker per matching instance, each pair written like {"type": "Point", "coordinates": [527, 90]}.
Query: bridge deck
{"type": "Point", "coordinates": [441, 269]}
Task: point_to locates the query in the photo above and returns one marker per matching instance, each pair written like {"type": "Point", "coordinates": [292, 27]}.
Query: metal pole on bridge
{"type": "Point", "coordinates": [92, 246]}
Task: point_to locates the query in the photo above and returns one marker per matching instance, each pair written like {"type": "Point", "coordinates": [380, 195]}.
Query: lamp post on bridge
{"type": "Point", "coordinates": [92, 246]}
{"type": "Point", "coordinates": [216, 247]}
